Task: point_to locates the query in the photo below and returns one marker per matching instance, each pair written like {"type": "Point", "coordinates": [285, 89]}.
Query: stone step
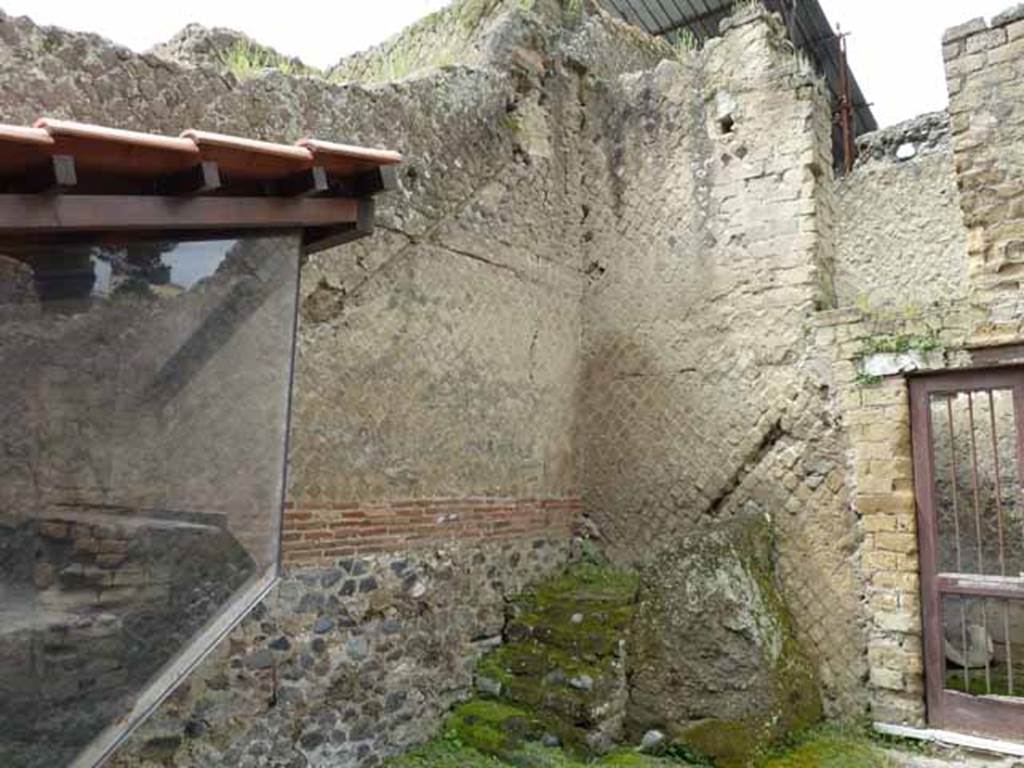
{"type": "Point", "coordinates": [545, 677]}
{"type": "Point", "coordinates": [564, 657]}
{"type": "Point", "coordinates": [586, 618]}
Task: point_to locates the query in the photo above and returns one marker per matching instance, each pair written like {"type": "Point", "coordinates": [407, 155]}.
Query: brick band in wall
{"type": "Point", "coordinates": [320, 532]}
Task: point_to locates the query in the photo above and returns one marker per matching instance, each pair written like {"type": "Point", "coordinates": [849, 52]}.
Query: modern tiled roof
{"type": "Point", "coordinates": [112, 159]}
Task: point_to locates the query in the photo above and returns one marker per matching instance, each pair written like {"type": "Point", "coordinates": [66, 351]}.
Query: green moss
{"type": "Point", "coordinates": [630, 758]}
{"type": "Point", "coordinates": [828, 747]}
{"type": "Point", "coordinates": [728, 744]}
{"type": "Point", "coordinates": [449, 753]}
{"type": "Point", "coordinates": [740, 551]}
{"type": "Point", "coordinates": [868, 380]}
{"type": "Point", "coordinates": [589, 582]}
{"type": "Point", "coordinates": [584, 612]}
{"type": "Point", "coordinates": [445, 753]}
{"type": "Point", "coordinates": [490, 727]}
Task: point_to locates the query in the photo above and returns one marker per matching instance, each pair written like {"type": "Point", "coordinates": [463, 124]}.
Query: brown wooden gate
{"type": "Point", "coordinates": [968, 437]}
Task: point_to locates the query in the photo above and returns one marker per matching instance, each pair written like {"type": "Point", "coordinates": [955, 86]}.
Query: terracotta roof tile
{"type": "Point", "coordinates": [115, 153]}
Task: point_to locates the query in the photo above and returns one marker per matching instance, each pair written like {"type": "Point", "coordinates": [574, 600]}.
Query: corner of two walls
{"type": "Point", "coordinates": [708, 249]}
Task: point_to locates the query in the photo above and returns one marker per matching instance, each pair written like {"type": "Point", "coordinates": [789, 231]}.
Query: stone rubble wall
{"type": "Point", "coordinates": [346, 664]}
{"type": "Point", "coordinates": [899, 235]}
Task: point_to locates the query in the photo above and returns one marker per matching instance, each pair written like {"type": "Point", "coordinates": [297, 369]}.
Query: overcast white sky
{"type": "Point", "coordinates": [895, 47]}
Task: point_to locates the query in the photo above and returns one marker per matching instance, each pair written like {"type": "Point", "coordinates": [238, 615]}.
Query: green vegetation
{"type": "Point", "coordinates": [683, 42]}
{"type": "Point", "coordinates": [978, 682]}
{"type": "Point", "coordinates": [442, 39]}
{"type": "Point", "coordinates": [574, 7]}
{"type": "Point", "coordinates": [824, 747]}
{"type": "Point", "coordinates": [900, 343]}
{"type": "Point", "coordinates": [894, 344]}
{"type": "Point", "coordinates": [449, 753]}
{"type": "Point", "coordinates": [569, 627]}
{"type": "Point", "coordinates": [830, 749]}
{"type": "Point", "coordinates": [472, 13]}
{"type": "Point", "coordinates": [868, 380]}
{"type": "Point", "coordinates": [247, 59]}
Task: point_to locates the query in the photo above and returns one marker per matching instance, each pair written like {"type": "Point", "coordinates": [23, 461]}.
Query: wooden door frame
{"type": "Point", "coordinates": [952, 710]}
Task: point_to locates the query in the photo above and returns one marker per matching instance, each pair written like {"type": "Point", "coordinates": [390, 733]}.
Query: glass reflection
{"type": "Point", "coordinates": [143, 406]}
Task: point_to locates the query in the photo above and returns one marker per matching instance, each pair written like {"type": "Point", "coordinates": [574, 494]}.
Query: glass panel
{"type": "Point", "coordinates": [143, 407]}
{"type": "Point", "coordinates": [984, 645]}
{"type": "Point", "coordinates": [977, 488]}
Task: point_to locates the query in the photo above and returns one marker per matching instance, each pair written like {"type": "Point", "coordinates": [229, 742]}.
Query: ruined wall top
{"type": "Point", "coordinates": [920, 135]}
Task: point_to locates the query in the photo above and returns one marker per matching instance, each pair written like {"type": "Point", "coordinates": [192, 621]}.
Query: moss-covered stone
{"type": "Point", "coordinates": [714, 660]}
{"type": "Point", "coordinates": [730, 744]}
{"type": "Point", "coordinates": [584, 612]}
{"type": "Point", "coordinates": [492, 727]}
{"type": "Point", "coordinates": [829, 748]}
{"type": "Point", "coordinates": [563, 662]}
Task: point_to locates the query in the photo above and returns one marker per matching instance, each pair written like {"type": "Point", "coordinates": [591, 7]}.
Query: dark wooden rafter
{"type": "Point", "coordinates": [317, 239]}
{"type": "Point", "coordinates": [35, 214]}
{"type": "Point", "coordinates": [383, 179]}
{"type": "Point", "coordinates": [199, 179]}
{"type": "Point", "coordinates": [313, 181]}
{"type": "Point", "coordinates": [57, 173]}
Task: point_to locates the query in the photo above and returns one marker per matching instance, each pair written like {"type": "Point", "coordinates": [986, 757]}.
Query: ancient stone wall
{"type": "Point", "coordinates": [705, 260]}
{"type": "Point", "coordinates": [926, 236]}
{"type": "Point", "coordinates": [983, 72]}
{"type": "Point", "coordinates": [899, 235]}
{"type": "Point", "coordinates": [436, 385]}
{"type": "Point", "coordinates": [610, 271]}
{"type": "Point", "coordinates": [876, 422]}
{"type": "Point", "coordinates": [345, 664]}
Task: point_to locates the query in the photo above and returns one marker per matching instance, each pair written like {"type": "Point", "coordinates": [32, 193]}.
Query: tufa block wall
{"type": "Point", "coordinates": [983, 70]}
{"type": "Point", "coordinates": [954, 284]}
{"type": "Point", "coordinates": [876, 422]}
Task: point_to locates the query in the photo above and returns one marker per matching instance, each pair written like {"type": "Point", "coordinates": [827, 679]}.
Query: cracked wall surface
{"type": "Point", "coordinates": [435, 401]}
{"type": "Point", "coordinates": [617, 279]}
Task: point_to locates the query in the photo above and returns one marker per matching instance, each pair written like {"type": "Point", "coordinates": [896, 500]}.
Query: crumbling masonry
{"type": "Point", "coordinates": [619, 291]}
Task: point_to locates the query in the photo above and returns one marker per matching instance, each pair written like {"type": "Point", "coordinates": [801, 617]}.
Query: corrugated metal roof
{"type": "Point", "coordinates": [660, 17]}
{"type": "Point", "coordinates": [807, 23]}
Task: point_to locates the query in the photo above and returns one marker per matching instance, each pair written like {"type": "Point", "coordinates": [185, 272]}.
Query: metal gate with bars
{"type": "Point", "coordinates": [968, 442]}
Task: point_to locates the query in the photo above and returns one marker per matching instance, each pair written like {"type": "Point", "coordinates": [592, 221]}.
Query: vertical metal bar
{"type": "Point", "coordinates": [922, 431]}
{"type": "Point", "coordinates": [977, 525]}
{"type": "Point", "coordinates": [956, 533]}
{"type": "Point", "coordinates": [845, 105]}
{"type": "Point", "coordinates": [1002, 550]}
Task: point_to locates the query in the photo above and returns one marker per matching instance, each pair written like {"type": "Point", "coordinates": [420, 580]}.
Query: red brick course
{"type": "Point", "coordinates": [321, 532]}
